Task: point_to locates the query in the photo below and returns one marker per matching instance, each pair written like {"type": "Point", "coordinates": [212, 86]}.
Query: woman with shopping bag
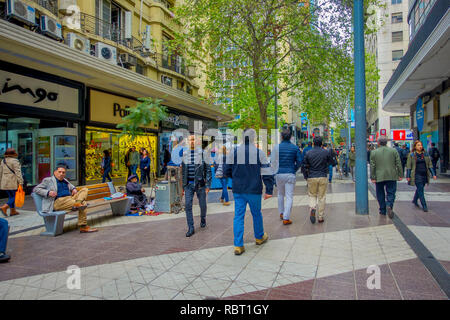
{"type": "Point", "coordinates": [10, 180]}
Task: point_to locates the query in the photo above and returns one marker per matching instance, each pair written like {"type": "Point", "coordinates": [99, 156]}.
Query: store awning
{"type": "Point", "coordinates": [29, 49]}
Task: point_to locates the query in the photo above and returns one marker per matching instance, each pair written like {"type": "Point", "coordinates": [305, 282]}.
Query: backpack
{"type": "Point", "coordinates": [435, 154]}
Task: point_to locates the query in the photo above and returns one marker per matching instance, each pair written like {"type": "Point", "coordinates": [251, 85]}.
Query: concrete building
{"type": "Point", "coordinates": [388, 45]}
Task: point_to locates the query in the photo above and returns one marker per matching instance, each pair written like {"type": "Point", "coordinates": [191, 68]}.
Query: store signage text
{"type": "Point", "coordinates": [122, 112]}
{"type": "Point", "coordinates": [176, 120]}
{"type": "Point", "coordinates": [40, 93]}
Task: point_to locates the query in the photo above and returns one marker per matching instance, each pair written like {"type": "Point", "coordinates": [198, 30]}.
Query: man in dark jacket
{"type": "Point", "coordinates": [249, 168]}
{"type": "Point", "coordinates": [286, 158]}
{"type": "Point", "coordinates": [434, 155]}
{"type": "Point", "coordinates": [317, 162]}
{"type": "Point", "coordinates": [196, 179]}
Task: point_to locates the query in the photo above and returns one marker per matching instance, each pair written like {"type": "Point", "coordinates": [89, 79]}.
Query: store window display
{"type": "Point", "coordinates": [100, 139]}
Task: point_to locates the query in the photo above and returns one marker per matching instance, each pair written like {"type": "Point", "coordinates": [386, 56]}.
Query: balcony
{"type": "Point", "coordinates": [50, 5]}
{"type": "Point", "coordinates": [110, 31]}
{"type": "Point", "coordinates": [172, 62]}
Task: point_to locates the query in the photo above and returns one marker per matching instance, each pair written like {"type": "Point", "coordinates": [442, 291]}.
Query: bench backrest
{"type": "Point", "coordinates": [97, 191]}
{"type": "Point", "coordinates": [37, 202]}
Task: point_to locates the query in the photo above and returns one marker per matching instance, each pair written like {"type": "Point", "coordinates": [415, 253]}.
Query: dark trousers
{"type": "Point", "coordinates": [189, 191]}
{"type": "Point", "coordinates": [106, 175]}
{"type": "Point", "coordinates": [420, 182]}
{"type": "Point", "coordinates": [145, 176]}
{"type": "Point", "coordinates": [386, 194]}
{"type": "Point", "coordinates": [435, 162]}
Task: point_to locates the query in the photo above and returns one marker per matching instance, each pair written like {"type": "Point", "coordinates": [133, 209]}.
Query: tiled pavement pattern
{"type": "Point", "coordinates": [150, 258]}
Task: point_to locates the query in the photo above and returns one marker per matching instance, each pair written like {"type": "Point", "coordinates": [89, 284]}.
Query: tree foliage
{"type": "Point", "coordinates": [252, 46]}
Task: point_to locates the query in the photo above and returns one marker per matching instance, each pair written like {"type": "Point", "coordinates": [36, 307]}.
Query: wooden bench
{"type": "Point", "coordinates": [54, 221]}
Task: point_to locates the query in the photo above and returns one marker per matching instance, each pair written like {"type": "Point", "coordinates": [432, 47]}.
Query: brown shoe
{"type": "Point", "coordinates": [78, 206]}
{"type": "Point", "coordinates": [13, 212]}
{"type": "Point", "coordinates": [239, 250]}
{"type": "Point", "coordinates": [321, 220]}
{"type": "Point", "coordinates": [262, 240]}
{"type": "Point", "coordinates": [4, 208]}
{"type": "Point", "coordinates": [286, 222]}
{"type": "Point", "coordinates": [87, 229]}
{"type": "Point", "coordinates": [226, 203]}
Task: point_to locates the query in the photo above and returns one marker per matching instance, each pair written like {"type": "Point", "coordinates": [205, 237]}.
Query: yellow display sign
{"type": "Point", "coordinates": [109, 108]}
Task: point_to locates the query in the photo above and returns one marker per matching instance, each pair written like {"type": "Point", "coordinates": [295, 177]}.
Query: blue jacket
{"type": "Point", "coordinates": [144, 163]}
{"type": "Point", "coordinates": [286, 158]}
{"type": "Point", "coordinates": [248, 167]}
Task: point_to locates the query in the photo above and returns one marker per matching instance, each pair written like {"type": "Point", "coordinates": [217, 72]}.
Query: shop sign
{"type": "Point", "coordinates": [177, 120]}
{"type": "Point", "coordinates": [31, 92]}
{"type": "Point", "coordinates": [110, 108]}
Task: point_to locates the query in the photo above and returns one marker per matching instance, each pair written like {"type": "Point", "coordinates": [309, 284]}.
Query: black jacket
{"type": "Point", "coordinates": [202, 171]}
{"type": "Point", "coordinates": [316, 162]}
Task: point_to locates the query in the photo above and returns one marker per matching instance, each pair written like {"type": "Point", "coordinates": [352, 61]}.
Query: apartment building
{"type": "Point", "coordinates": [69, 69]}
{"type": "Point", "coordinates": [388, 45]}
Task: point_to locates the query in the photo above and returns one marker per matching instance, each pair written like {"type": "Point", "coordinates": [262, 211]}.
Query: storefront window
{"type": "Point", "coordinates": [38, 144]}
{"type": "Point", "coordinates": [100, 139]}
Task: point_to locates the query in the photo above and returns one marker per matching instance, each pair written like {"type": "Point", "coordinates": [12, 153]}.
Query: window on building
{"type": "Point", "coordinates": [166, 80]}
{"type": "Point", "coordinates": [396, 1]}
{"type": "Point", "coordinates": [140, 68]}
{"type": "Point", "coordinates": [397, 36]}
{"type": "Point", "coordinates": [180, 85]}
{"type": "Point", "coordinates": [397, 55]}
{"type": "Point", "coordinates": [397, 17]}
{"type": "Point", "coordinates": [188, 89]}
{"type": "Point", "coordinates": [399, 122]}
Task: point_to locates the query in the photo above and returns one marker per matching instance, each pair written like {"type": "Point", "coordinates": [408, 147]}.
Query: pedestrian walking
{"type": "Point", "coordinates": [106, 166]}
{"type": "Point", "coordinates": [134, 160]}
{"type": "Point", "coordinates": [317, 162]}
{"type": "Point", "coordinates": [196, 175]}
{"type": "Point", "coordinates": [249, 168]}
{"type": "Point", "coordinates": [4, 231]}
{"type": "Point", "coordinates": [144, 165]}
{"type": "Point", "coordinates": [418, 173]}
{"type": "Point", "coordinates": [286, 159]}
{"type": "Point", "coordinates": [60, 195]}
{"type": "Point", "coordinates": [10, 179]}
{"type": "Point", "coordinates": [220, 174]}
{"type": "Point", "coordinates": [385, 171]}
{"type": "Point", "coordinates": [404, 157]}
{"type": "Point", "coordinates": [435, 155]}
{"type": "Point", "coordinates": [333, 162]}
{"type": "Point", "coordinates": [352, 161]}
{"type": "Point", "coordinates": [309, 147]}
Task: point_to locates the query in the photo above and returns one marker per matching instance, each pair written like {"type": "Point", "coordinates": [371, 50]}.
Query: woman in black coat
{"type": "Point", "coordinates": [135, 190]}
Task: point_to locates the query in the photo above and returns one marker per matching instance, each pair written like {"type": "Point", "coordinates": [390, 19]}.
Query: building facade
{"type": "Point", "coordinates": [388, 45]}
{"type": "Point", "coordinates": [68, 71]}
{"type": "Point", "coordinates": [420, 84]}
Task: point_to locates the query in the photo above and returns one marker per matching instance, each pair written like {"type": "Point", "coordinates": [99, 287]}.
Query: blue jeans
{"type": "Point", "coordinates": [330, 170]}
{"type": "Point", "coordinates": [11, 198]}
{"type": "Point", "coordinates": [388, 198]}
{"type": "Point", "coordinates": [4, 229]}
{"type": "Point", "coordinates": [240, 207]}
{"type": "Point", "coordinates": [189, 191]}
{"type": "Point", "coordinates": [133, 169]}
{"type": "Point", "coordinates": [420, 182]}
{"type": "Point", "coordinates": [224, 183]}
{"type": "Point", "coordinates": [106, 175]}
{"type": "Point", "coordinates": [434, 162]}
{"type": "Point", "coordinates": [145, 174]}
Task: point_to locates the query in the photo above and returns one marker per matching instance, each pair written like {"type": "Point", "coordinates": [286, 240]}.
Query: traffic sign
{"type": "Point", "coordinates": [398, 135]}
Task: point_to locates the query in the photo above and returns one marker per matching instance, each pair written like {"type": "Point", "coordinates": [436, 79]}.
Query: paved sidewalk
{"type": "Point", "coordinates": [150, 257]}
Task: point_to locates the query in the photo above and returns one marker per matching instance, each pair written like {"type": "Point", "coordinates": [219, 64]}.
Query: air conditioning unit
{"type": "Point", "coordinates": [128, 59]}
{"type": "Point", "coordinates": [106, 52]}
{"type": "Point", "coordinates": [51, 27]}
{"type": "Point", "coordinates": [20, 11]}
{"type": "Point", "coordinates": [78, 42]}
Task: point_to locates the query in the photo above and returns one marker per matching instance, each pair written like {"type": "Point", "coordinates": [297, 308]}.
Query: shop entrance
{"type": "Point", "coordinates": [100, 139]}
{"type": "Point", "coordinates": [40, 145]}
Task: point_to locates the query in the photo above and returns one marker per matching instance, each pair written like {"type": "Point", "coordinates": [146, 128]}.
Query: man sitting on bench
{"type": "Point", "coordinates": [59, 194]}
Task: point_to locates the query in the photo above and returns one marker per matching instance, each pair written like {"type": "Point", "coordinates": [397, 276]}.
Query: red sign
{"type": "Point", "coordinates": [398, 135]}
{"type": "Point", "coordinates": [371, 138]}
{"type": "Point", "coordinates": [382, 132]}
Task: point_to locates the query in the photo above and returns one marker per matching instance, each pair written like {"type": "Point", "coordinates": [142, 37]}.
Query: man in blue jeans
{"type": "Point", "coordinates": [4, 230]}
{"type": "Point", "coordinates": [248, 167]}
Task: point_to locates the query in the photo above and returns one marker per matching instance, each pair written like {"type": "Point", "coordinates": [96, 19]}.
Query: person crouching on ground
{"type": "Point", "coordinates": [60, 195]}
{"type": "Point", "coordinates": [248, 168]}
{"type": "Point", "coordinates": [10, 179]}
{"type": "Point", "coordinates": [196, 179]}
{"type": "Point", "coordinates": [286, 159]}
{"type": "Point", "coordinates": [317, 162]}
{"type": "Point", "coordinates": [135, 190]}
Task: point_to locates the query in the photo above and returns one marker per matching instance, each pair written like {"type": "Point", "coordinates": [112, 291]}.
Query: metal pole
{"type": "Point", "coordinates": [361, 187]}
{"type": "Point", "coordinates": [276, 114]}
{"type": "Point", "coordinates": [349, 114]}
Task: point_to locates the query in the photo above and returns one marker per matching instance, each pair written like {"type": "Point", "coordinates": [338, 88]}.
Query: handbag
{"type": "Point", "coordinates": [20, 197]}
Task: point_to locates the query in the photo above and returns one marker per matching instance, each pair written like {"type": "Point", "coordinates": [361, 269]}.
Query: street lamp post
{"type": "Point", "coordinates": [361, 187]}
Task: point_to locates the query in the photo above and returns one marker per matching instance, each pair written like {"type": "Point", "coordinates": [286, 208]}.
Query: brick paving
{"type": "Point", "coordinates": [150, 257]}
